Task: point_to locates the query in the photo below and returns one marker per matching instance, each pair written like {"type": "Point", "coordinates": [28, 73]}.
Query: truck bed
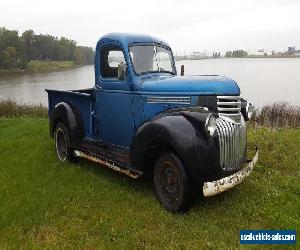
{"type": "Point", "coordinates": [80, 99]}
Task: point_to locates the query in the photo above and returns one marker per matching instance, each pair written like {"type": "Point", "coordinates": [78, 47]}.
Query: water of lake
{"type": "Point", "coordinates": [261, 81]}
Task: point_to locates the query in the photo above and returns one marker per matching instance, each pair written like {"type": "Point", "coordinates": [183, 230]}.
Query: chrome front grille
{"type": "Point", "coordinates": [232, 143]}
{"type": "Point", "coordinates": [230, 107]}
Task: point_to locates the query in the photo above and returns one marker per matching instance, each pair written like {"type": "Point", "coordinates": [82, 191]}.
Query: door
{"type": "Point", "coordinates": [114, 113]}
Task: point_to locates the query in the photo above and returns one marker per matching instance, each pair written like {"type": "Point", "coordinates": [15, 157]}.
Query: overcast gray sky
{"type": "Point", "coordinates": [187, 25]}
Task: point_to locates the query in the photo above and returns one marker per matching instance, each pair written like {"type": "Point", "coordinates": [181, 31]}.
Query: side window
{"type": "Point", "coordinates": [110, 57]}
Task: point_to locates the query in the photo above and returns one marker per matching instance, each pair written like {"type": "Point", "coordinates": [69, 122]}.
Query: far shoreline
{"type": "Point", "coordinates": [42, 66]}
{"type": "Point", "coordinates": [241, 57]}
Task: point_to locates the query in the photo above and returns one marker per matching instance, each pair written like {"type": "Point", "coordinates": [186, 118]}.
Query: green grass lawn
{"type": "Point", "coordinates": [47, 203]}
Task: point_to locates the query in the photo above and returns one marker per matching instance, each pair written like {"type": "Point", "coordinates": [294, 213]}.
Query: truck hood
{"type": "Point", "coordinates": [201, 85]}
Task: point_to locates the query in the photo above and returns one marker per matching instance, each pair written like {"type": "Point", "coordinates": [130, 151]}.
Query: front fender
{"type": "Point", "coordinates": [196, 151]}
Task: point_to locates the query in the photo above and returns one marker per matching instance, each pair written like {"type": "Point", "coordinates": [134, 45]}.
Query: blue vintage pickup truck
{"type": "Point", "coordinates": [189, 132]}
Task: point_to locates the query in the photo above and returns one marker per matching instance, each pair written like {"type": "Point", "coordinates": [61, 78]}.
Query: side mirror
{"type": "Point", "coordinates": [182, 70]}
{"type": "Point", "coordinates": [122, 71]}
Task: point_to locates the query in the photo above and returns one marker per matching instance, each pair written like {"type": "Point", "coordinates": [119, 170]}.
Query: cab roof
{"type": "Point", "coordinates": [126, 39]}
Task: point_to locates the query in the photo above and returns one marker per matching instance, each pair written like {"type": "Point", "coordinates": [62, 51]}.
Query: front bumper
{"type": "Point", "coordinates": [221, 185]}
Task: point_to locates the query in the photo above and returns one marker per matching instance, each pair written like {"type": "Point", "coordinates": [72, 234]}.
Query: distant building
{"type": "Point", "coordinates": [260, 52]}
{"type": "Point", "coordinates": [197, 55]}
{"type": "Point", "coordinates": [236, 53]}
{"type": "Point", "coordinates": [280, 53]}
{"type": "Point", "coordinates": [291, 50]}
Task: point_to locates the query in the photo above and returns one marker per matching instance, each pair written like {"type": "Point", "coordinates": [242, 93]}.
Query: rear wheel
{"type": "Point", "coordinates": [172, 184]}
{"type": "Point", "coordinates": [62, 143]}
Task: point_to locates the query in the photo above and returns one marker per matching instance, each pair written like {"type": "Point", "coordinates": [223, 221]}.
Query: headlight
{"type": "Point", "coordinates": [210, 125]}
{"type": "Point", "coordinates": [249, 110]}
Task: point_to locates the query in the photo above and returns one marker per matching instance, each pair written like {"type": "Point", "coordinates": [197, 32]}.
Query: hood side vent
{"type": "Point", "coordinates": [169, 99]}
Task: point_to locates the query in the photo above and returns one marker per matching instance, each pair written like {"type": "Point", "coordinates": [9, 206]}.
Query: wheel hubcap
{"type": "Point", "coordinates": [170, 182]}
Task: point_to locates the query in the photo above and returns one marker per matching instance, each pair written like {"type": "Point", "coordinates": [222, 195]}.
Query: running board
{"type": "Point", "coordinates": [132, 173]}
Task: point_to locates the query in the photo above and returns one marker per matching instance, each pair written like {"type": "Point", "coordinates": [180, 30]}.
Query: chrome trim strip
{"type": "Point", "coordinates": [229, 97]}
{"type": "Point", "coordinates": [229, 103]}
{"type": "Point", "coordinates": [230, 107]}
{"type": "Point", "coordinates": [169, 99]}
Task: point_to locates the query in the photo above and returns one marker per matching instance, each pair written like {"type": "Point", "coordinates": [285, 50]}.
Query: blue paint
{"type": "Point", "coordinates": [114, 112]}
{"type": "Point", "coordinates": [200, 85]}
{"type": "Point", "coordinates": [114, 109]}
{"type": "Point", "coordinates": [82, 101]}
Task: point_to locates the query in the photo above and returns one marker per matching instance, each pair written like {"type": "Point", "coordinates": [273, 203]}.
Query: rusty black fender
{"type": "Point", "coordinates": [70, 116]}
{"type": "Point", "coordinates": [183, 132]}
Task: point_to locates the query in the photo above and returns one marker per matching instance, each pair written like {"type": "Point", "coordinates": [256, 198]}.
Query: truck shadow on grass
{"type": "Point", "coordinates": [48, 203]}
{"type": "Point", "coordinates": [254, 201]}
{"type": "Point", "coordinates": [245, 206]}
{"type": "Point", "coordinates": [144, 185]}
{"type": "Point", "coordinates": [269, 199]}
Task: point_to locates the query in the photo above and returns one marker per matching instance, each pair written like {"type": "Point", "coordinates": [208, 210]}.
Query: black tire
{"type": "Point", "coordinates": [62, 143]}
{"type": "Point", "coordinates": [172, 184]}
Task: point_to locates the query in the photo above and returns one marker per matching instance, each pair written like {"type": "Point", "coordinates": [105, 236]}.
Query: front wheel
{"type": "Point", "coordinates": [62, 143]}
{"type": "Point", "coordinates": [172, 184]}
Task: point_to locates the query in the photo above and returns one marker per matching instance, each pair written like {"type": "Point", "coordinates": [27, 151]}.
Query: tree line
{"type": "Point", "coordinates": [236, 53]}
{"type": "Point", "coordinates": [16, 51]}
{"type": "Point", "coordinates": [216, 54]}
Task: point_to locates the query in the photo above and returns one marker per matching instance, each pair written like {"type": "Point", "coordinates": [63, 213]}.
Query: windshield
{"type": "Point", "coordinates": [151, 58]}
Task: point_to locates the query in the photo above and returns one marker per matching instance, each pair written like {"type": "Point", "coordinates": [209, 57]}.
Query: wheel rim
{"type": "Point", "coordinates": [169, 182]}
{"type": "Point", "coordinates": [61, 144]}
